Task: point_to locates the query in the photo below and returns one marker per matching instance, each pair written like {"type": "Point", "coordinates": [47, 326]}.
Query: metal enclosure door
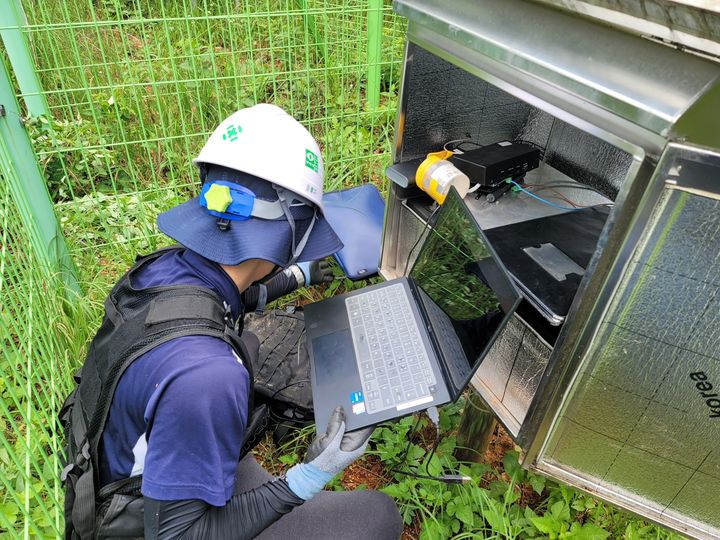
{"type": "Point", "coordinates": [622, 402]}
{"type": "Point", "coordinates": [640, 422]}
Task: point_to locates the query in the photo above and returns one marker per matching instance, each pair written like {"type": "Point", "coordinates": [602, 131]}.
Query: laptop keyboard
{"type": "Point", "coordinates": [392, 361]}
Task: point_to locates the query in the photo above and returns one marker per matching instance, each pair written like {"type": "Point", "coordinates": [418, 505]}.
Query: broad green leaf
{"type": "Point", "coordinates": [513, 467]}
{"type": "Point", "coordinates": [537, 482]}
{"type": "Point", "coordinates": [561, 511]}
{"type": "Point", "coordinates": [495, 516]}
{"type": "Point", "coordinates": [433, 530]}
{"type": "Point", "coordinates": [9, 512]}
{"type": "Point", "coordinates": [435, 467]}
{"type": "Point", "coordinates": [397, 491]}
{"type": "Point", "coordinates": [546, 524]}
{"type": "Point", "coordinates": [288, 459]}
{"type": "Point", "coordinates": [464, 514]}
{"type": "Point", "coordinates": [498, 489]}
{"type": "Point", "coordinates": [588, 531]}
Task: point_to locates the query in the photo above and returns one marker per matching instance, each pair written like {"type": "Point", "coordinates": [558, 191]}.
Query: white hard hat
{"type": "Point", "coordinates": [261, 196]}
{"type": "Point", "coordinates": [267, 142]}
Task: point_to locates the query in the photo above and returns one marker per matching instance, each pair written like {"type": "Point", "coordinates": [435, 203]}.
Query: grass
{"type": "Point", "coordinates": [503, 501]}
{"type": "Point", "coordinates": [134, 89]}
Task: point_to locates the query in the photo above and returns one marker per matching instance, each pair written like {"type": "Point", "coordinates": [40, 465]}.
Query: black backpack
{"type": "Point", "coordinates": [282, 371]}
{"type": "Point", "coordinates": [135, 322]}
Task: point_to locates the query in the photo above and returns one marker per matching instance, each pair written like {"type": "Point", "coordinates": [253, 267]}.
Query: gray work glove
{"type": "Point", "coordinates": [334, 450]}
{"type": "Point", "coordinates": [328, 455]}
{"type": "Point", "coordinates": [314, 273]}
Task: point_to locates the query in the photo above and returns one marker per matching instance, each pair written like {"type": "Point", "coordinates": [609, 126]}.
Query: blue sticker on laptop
{"type": "Point", "coordinates": [358, 402]}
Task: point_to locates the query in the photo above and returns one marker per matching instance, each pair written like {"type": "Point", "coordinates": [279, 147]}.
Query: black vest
{"type": "Point", "coordinates": [135, 322]}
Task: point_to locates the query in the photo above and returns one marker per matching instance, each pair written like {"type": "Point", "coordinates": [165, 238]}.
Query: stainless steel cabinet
{"type": "Point", "coordinates": [623, 398]}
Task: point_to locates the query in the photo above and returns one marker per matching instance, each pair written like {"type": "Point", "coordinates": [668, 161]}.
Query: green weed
{"type": "Point", "coordinates": [503, 501]}
{"type": "Point", "coordinates": [507, 502]}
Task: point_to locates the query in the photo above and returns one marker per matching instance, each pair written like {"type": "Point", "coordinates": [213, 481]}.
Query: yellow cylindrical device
{"type": "Point", "coordinates": [436, 174]}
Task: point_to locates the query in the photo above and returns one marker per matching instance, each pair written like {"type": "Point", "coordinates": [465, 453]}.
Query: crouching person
{"type": "Point", "coordinates": [159, 424]}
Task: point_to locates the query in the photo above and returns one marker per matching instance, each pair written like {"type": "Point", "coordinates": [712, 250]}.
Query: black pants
{"type": "Point", "coordinates": [350, 515]}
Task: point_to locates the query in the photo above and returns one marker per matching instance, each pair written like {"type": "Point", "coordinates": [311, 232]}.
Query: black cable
{"type": "Point", "coordinates": [428, 224]}
{"type": "Point", "coordinates": [403, 457]}
{"type": "Point", "coordinates": [534, 145]}
{"type": "Point", "coordinates": [410, 438]}
{"type": "Point", "coordinates": [288, 386]}
{"type": "Point", "coordinates": [446, 478]}
{"type": "Point", "coordinates": [432, 452]}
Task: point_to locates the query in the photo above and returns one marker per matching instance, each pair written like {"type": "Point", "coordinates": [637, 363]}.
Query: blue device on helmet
{"type": "Point", "coordinates": [227, 200]}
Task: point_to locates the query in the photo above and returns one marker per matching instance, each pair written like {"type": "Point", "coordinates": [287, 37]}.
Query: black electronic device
{"type": "Point", "coordinates": [491, 164]}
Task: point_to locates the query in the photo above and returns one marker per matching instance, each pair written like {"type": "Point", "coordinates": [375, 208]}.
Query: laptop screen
{"type": "Point", "coordinates": [471, 294]}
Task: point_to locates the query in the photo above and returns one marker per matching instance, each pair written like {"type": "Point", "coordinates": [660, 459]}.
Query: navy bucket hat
{"type": "Point", "coordinates": [234, 240]}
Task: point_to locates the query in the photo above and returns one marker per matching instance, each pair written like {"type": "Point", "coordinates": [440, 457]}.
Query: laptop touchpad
{"type": "Point", "coordinates": [334, 357]}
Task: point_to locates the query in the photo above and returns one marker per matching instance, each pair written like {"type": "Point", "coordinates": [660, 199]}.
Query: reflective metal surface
{"type": "Point", "coordinates": [641, 421]}
{"type": "Point", "coordinates": [614, 407]}
{"type": "Point", "coordinates": [511, 372]}
{"type": "Point", "coordinates": [486, 114]}
{"type": "Point", "coordinates": [559, 58]}
{"type": "Point", "coordinates": [518, 207]}
{"type": "Point", "coordinates": [403, 229]}
{"type": "Point", "coordinates": [690, 23]}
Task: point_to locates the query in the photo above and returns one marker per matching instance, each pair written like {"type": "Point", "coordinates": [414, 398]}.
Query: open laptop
{"type": "Point", "coordinates": [391, 349]}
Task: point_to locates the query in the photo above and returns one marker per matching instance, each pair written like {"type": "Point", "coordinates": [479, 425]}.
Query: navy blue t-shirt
{"type": "Point", "coordinates": [179, 412]}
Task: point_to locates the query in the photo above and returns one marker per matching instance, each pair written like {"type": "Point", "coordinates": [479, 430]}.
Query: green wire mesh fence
{"type": "Point", "coordinates": [120, 98]}
{"type": "Point", "coordinates": [37, 359]}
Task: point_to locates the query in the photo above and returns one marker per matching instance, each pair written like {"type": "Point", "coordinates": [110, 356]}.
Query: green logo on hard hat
{"type": "Point", "coordinates": [311, 160]}
{"type": "Point", "coordinates": [232, 133]}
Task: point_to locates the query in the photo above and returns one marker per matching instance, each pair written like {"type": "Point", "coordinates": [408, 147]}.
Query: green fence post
{"type": "Point", "coordinates": [12, 19]}
{"type": "Point", "coordinates": [374, 32]}
{"type": "Point", "coordinates": [20, 169]}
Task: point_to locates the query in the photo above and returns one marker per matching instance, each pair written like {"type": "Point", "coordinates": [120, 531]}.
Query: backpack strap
{"type": "Point", "coordinates": [178, 311]}
{"type": "Point", "coordinates": [80, 474]}
{"type": "Point", "coordinates": [169, 309]}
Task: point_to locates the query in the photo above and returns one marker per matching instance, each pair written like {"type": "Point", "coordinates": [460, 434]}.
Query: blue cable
{"type": "Point", "coordinates": [540, 198]}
